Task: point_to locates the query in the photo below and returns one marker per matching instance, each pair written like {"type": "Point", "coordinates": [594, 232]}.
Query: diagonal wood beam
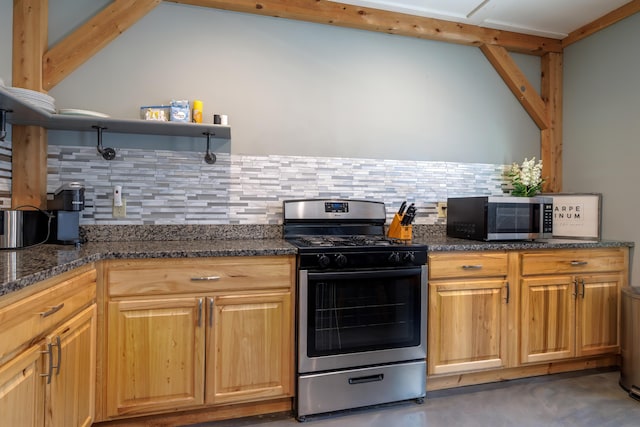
{"type": "Point", "coordinates": [518, 83]}
{"type": "Point", "coordinates": [610, 18]}
{"type": "Point", "coordinates": [91, 37]}
{"type": "Point", "coordinates": [363, 18]}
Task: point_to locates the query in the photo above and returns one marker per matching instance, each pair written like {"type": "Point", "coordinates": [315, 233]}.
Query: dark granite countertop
{"type": "Point", "coordinates": [447, 244]}
{"type": "Point", "coordinates": [24, 267]}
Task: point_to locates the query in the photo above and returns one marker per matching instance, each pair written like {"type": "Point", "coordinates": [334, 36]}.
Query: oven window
{"type": "Point", "coordinates": [351, 313]}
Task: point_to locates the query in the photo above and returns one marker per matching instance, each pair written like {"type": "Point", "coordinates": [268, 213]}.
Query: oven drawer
{"type": "Point", "coordinates": [335, 391]}
{"type": "Point", "coordinates": [470, 264]}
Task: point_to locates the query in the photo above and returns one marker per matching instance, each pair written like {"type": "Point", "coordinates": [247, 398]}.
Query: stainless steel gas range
{"type": "Point", "coordinates": [361, 309]}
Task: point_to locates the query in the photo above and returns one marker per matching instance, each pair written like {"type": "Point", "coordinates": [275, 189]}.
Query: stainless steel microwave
{"type": "Point", "coordinates": [500, 217]}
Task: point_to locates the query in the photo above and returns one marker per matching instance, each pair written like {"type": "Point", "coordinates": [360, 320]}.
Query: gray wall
{"type": "Point", "coordinates": [295, 88]}
{"type": "Point", "coordinates": [602, 124]}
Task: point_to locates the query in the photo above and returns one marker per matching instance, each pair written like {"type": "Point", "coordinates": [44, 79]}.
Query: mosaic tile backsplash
{"type": "Point", "coordinates": [170, 187]}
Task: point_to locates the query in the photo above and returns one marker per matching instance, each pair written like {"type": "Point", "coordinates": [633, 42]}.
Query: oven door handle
{"type": "Point", "coordinates": [377, 274]}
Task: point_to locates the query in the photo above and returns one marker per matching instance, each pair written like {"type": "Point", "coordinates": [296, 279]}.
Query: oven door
{"type": "Point", "coordinates": [348, 319]}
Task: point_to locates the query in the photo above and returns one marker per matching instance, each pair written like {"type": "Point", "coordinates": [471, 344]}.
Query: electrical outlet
{"type": "Point", "coordinates": [120, 211]}
{"type": "Point", "coordinates": [442, 209]}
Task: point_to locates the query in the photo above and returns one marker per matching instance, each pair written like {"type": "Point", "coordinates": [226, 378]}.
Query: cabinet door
{"type": "Point", "coordinates": [22, 390]}
{"type": "Point", "coordinates": [250, 348]}
{"type": "Point", "coordinates": [467, 325]}
{"type": "Point", "coordinates": [548, 319]}
{"type": "Point", "coordinates": [70, 390]}
{"type": "Point", "coordinates": [597, 310]}
{"type": "Point", "coordinates": [155, 355]}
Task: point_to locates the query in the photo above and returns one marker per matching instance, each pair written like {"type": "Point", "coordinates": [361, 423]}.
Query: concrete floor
{"type": "Point", "coordinates": [584, 400]}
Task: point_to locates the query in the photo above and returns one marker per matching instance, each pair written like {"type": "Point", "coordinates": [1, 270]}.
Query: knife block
{"type": "Point", "coordinates": [399, 231]}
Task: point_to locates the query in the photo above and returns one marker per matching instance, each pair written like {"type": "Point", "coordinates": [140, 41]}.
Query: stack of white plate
{"type": "Point", "coordinates": [35, 98]}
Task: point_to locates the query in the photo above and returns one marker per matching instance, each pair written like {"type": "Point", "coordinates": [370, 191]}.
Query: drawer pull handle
{"type": "Point", "coordinates": [367, 379]}
{"type": "Point", "coordinates": [578, 263]}
{"type": "Point", "coordinates": [205, 279]}
{"type": "Point", "coordinates": [471, 267]}
{"type": "Point", "coordinates": [52, 310]}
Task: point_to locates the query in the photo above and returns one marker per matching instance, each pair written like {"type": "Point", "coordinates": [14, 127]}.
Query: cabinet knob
{"type": "Point", "coordinates": [578, 263]}
{"type": "Point", "coordinates": [471, 267]}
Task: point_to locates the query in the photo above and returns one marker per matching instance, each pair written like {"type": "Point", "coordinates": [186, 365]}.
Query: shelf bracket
{"type": "Point", "coordinates": [3, 123]}
{"type": "Point", "coordinates": [107, 153]}
{"type": "Point", "coordinates": [209, 157]}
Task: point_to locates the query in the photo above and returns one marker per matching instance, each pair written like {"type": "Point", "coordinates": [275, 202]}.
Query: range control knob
{"type": "Point", "coordinates": [341, 260]}
{"type": "Point", "coordinates": [394, 258]}
{"type": "Point", "coordinates": [409, 257]}
{"type": "Point", "coordinates": [323, 261]}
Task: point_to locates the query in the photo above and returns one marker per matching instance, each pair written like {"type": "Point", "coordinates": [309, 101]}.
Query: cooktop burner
{"type": "Point", "coordinates": [340, 241]}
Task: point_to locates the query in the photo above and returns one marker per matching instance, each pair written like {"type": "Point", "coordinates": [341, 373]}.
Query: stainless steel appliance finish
{"type": "Point", "coordinates": [339, 390]}
{"type": "Point", "coordinates": [500, 217]}
{"type": "Point", "coordinates": [331, 209]}
{"type": "Point", "coordinates": [361, 308]}
{"type": "Point", "coordinates": [320, 354]}
{"type": "Point", "coordinates": [12, 229]}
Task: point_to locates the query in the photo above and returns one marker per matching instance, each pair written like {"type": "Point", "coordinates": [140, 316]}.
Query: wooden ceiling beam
{"type": "Point", "coordinates": [607, 20]}
{"type": "Point", "coordinates": [363, 18]}
{"type": "Point", "coordinates": [75, 49]}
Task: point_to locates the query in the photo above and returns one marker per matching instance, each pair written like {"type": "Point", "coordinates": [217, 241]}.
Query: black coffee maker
{"type": "Point", "coordinates": [60, 222]}
{"type": "Point", "coordinates": [63, 222]}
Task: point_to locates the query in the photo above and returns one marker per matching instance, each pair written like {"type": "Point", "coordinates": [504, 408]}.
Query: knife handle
{"type": "Point", "coordinates": [402, 207]}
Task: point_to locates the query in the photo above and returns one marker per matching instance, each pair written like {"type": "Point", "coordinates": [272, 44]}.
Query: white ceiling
{"type": "Point", "coordinates": [546, 18]}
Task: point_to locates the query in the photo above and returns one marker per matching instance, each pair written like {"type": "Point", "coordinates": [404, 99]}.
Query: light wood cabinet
{"type": "Point", "coordinates": [189, 333]}
{"type": "Point", "coordinates": [156, 355]}
{"type": "Point", "coordinates": [249, 347]}
{"type": "Point", "coordinates": [22, 390]}
{"type": "Point", "coordinates": [510, 314]}
{"type": "Point", "coordinates": [570, 315]}
{"type": "Point", "coordinates": [468, 297]}
{"type": "Point", "coordinates": [70, 366]}
{"type": "Point", "coordinates": [48, 342]}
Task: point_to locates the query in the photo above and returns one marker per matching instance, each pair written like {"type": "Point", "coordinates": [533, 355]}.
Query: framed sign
{"type": "Point", "coordinates": [577, 216]}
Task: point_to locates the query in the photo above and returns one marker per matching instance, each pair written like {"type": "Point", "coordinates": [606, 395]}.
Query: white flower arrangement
{"type": "Point", "coordinates": [526, 178]}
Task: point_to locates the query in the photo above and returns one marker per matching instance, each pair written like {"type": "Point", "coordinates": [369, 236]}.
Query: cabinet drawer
{"type": "Point", "coordinates": [572, 261]}
{"type": "Point", "coordinates": [472, 264]}
{"type": "Point", "coordinates": [32, 317]}
{"type": "Point", "coordinates": [198, 275]}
